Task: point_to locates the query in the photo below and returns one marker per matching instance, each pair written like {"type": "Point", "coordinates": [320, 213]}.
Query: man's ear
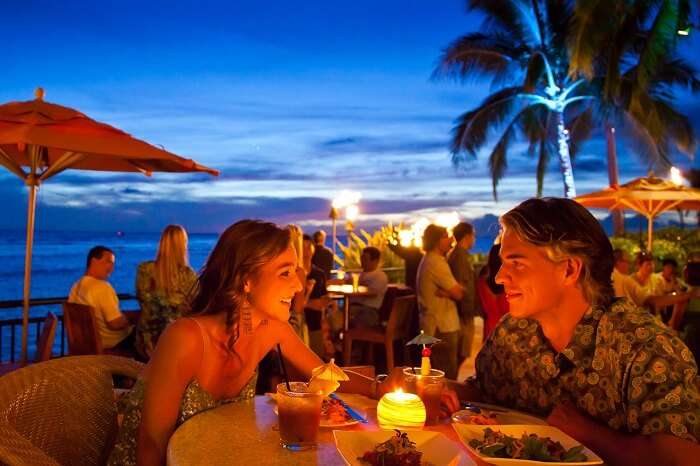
{"type": "Point", "coordinates": [246, 286]}
{"type": "Point", "coordinates": [574, 267]}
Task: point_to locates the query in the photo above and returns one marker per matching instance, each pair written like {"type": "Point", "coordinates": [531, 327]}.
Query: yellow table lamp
{"type": "Point", "coordinates": [399, 410]}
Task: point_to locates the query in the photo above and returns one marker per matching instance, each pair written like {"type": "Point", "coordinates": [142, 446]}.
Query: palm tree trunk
{"type": "Point", "coordinates": [617, 216]}
{"type": "Point", "coordinates": [565, 157]}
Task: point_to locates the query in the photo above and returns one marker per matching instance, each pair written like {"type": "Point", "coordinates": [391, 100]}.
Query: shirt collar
{"type": "Point", "coordinates": [582, 342]}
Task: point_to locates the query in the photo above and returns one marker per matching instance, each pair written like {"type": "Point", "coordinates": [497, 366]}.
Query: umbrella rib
{"type": "Point", "coordinates": [9, 163]}
{"type": "Point", "coordinates": [67, 160]}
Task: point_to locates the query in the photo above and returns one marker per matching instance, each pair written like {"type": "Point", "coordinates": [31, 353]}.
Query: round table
{"type": "Point", "coordinates": [246, 433]}
{"type": "Point", "coordinates": [346, 292]}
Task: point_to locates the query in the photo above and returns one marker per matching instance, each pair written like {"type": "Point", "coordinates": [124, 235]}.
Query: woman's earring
{"type": "Point", "coordinates": [247, 316]}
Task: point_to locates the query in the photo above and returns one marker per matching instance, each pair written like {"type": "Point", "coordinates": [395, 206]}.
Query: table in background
{"type": "Point", "coordinates": [246, 433]}
{"type": "Point", "coordinates": [347, 292]}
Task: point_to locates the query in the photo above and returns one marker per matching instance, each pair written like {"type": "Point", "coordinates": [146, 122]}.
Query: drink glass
{"type": "Point", "coordinates": [429, 388]}
{"type": "Point", "coordinates": [355, 281]}
{"type": "Point", "coordinates": [299, 414]}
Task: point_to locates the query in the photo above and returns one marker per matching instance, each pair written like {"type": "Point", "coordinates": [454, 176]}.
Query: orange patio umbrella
{"type": "Point", "coordinates": [47, 138]}
{"type": "Point", "coordinates": [650, 196]}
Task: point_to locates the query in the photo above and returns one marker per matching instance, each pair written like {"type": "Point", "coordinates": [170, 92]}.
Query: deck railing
{"type": "Point", "coordinates": [11, 329]}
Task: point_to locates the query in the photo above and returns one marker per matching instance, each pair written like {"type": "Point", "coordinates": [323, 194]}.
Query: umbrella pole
{"type": "Point", "coordinates": [28, 265]}
{"type": "Point", "coordinates": [650, 227]}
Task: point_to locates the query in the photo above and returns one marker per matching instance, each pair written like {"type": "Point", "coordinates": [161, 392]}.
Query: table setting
{"type": "Point", "coordinates": [309, 423]}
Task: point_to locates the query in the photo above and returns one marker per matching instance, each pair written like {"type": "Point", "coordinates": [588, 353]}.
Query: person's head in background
{"type": "Point", "coordinates": [645, 265]}
{"type": "Point", "coordinates": [669, 268]}
{"type": "Point", "coordinates": [308, 249]}
{"type": "Point", "coordinates": [370, 259]}
{"type": "Point", "coordinates": [297, 238]}
{"type": "Point", "coordinates": [493, 265]}
{"type": "Point", "coordinates": [319, 238]}
{"type": "Point", "coordinates": [100, 262]}
{"type": "Point", "coordinates": [464, 235]}
{"type": "Point", "coordinates": [622, 261]}
{"type": "Point", "coordinates": [436, 239]}
{"type": "Point", "coordinates": [172, 256]}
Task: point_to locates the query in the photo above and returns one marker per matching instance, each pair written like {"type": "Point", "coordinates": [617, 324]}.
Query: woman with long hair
{"type": "Point", "coordinates": [164, 288]}
{"type": "Point", "coordinates": [209, 357]}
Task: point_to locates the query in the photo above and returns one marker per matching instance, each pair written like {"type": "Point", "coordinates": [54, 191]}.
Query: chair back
{"type": "Point", "coordinates": [62, 411]}
{"type": "Point", "coordinates": [44, 344]}
{"type": "Point", "coordinates": [79, 321]}
{"type": "Point", "coordinates": [392, 291]}
{"type": "Point", "coordinates": [400, 317]}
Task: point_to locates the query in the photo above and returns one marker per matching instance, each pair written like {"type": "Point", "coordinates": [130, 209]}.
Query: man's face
{"type": "Point", "coordinates": [468, 241]}
{"type": "Point", "coordinates": [668, 271]}
{"type": "Point", "coordinates": [103, 267]}
{"type": "Point", "coordinates": [533, 283]}
{"type": "Point", "coordinates": [623, 265]}
{"type": "Point", "coordinates": [646, 268]}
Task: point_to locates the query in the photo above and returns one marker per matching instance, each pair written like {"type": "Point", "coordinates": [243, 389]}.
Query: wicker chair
{"type": "Point", "coordinates": [61, 412]}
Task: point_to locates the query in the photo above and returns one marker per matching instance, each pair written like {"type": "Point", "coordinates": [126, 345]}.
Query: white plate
{"type": "Point", "coordinates": [502, 415]}
{"type": "Point", "coordinates": [468, 432]}
{"type": "Point", "coordinates": [437, 449]}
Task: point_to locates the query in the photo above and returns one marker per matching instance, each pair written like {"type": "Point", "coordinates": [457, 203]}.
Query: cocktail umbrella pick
{"type": "Point", "coordinates": [426, 341]}
{"type": "Point", "coordinates": [326, 377]}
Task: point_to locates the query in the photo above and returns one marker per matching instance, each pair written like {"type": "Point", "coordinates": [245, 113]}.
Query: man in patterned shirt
{"type": "Point", "coordinates": [608, 374]}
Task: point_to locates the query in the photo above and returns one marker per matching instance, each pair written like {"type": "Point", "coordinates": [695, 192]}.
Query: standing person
{"type": "Point", "coordinates": [604, 372]}
{"type": "Point", "coordinates": [323, 257]}
{"type": "Point", "coordinates": [209, 358]}
{"type": "Point", "coordinates": [460, 262]}
{"type": "Point", "coordinates": [411, 255]}
{"type": "Point", "coordinates": [93, 289]}
{"type": "Point", "coordinates": [491, 294]}
{"type": "Point", "coordinates": [317, 303]}
{"type": "Point", "coordinates": [163, 288]}
{"type": "Point", "coordinates": [437, 292]}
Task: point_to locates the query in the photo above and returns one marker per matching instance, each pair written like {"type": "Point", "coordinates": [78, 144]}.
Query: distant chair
{"type": "Point", "coordinates": [62, 411]}
{"type": "Point", "coordinates": [44, 344]}
{"type": "Point", "coordinates": [83, 339]}
{"type": "Point", "coordinates": [397, 328]}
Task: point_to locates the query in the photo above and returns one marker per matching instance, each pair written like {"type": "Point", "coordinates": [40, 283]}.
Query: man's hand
{"type": "Point", "coordinates": [449, 403]}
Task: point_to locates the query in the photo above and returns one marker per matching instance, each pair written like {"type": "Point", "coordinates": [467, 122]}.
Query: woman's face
{"type": "Point", "coordinates": [274, 285]}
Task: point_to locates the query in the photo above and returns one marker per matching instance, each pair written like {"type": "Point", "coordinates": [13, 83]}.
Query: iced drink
{"type": "Point", "coordinates": [429, 388]}
{"type": "Point", "coordinates": [299, 413]}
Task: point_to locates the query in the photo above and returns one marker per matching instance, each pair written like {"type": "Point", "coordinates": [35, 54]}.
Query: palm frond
{"type": "Point", "coordinates": [475, 55]}
{"type": "Point", "coordinates": [472, 127]}
{"type": "Point", "coordinates": [661, 35]}
{"type": "Point", "coordinates": [511, 17]}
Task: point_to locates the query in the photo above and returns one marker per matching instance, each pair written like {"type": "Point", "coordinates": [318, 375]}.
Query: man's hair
{"type": "Point", "coordinates": [566, 229]}
{"type": "Point", "coordinates": [643, 257]}
{"type": "Point", "coordinates": [319, 236]}
{"type": "Point", "coordinates": [432, 236]}
{"type": "Point", "coordinates": [372, 252]}
{"type": "Point", "coordinates": [619, 255]}
{"type": "Point", "coordinates": [461, 230]}
{"type": "Point", "coordinates": [670, 261]}
{"type": "Point", "coordinates": [96, 253]}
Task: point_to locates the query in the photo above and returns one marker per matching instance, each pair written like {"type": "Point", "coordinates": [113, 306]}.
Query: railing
{"type": "Point", "coordinates": [14, 334]}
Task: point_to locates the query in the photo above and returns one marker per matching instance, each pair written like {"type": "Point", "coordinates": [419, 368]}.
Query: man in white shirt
{"type": "Point", "coordinates": [437, 292]}
{"type": "Point", "coordinates": [626, 286]}
{"type": "Point", "coordinates": [364, 310]}
{"type": "Point", "coordinates": [94, 290]}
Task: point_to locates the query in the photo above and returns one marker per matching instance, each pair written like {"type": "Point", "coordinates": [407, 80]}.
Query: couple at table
{"type": "Point", "coordinates": [610, 376]}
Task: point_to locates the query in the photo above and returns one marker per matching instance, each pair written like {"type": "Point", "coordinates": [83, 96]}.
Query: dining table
{"type": "Point", "coordinates": [346, 292]}
{"type": "Point", "coordinates": [246, 433]}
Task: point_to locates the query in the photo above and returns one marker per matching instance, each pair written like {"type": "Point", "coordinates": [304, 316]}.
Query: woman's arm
{"type": "Point", "coordinates": [174, 364]}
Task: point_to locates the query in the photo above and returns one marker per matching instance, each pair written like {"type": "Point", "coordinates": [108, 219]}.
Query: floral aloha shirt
{"type": "Point", "coordinates": [623, 367]}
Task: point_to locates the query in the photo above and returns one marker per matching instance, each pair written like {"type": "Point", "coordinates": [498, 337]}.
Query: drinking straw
{"type": "Point", "coordinates": [283, 367]}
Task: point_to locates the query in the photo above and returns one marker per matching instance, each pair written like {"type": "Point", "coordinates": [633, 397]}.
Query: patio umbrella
{"type": "Point", "coordinates": [650, 196]}
{"type": "Point", "coordinates": [48, 138]}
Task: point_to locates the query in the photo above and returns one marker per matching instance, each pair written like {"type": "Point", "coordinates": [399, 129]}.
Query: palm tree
{"type": "Point", "coordinates": [523, 52]}
{"type": "Point", "coordinates": [628, 50]}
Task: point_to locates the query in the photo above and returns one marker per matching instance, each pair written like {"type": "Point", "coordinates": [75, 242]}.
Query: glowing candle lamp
{"type": "Point", "coordinates": [399, 410]}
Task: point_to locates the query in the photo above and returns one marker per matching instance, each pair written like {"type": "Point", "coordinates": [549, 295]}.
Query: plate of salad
{"type": "Point", "coordinates": [521, 445]}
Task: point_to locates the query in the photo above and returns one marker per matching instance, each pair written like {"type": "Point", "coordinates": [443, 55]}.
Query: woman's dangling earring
{"type": "Point", "coordinates": [246, 316]}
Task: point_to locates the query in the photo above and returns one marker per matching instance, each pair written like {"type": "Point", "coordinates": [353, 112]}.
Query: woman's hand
{"type": "Point", "coordinates": [449, 403]}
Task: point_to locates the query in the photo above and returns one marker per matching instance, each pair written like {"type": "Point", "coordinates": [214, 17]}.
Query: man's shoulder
{"type": "Point", "coordinates": [629, 326]}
